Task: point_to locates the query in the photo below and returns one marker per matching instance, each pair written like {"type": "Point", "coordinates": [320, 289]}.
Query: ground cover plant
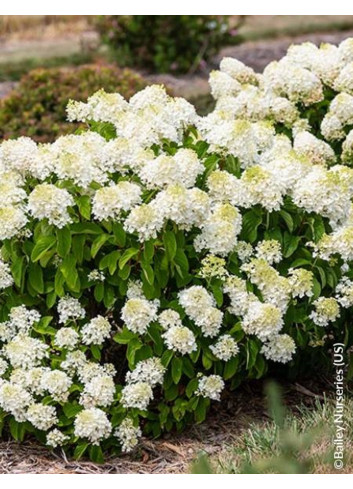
{"type": "Point", "coordinates": [158, 257]}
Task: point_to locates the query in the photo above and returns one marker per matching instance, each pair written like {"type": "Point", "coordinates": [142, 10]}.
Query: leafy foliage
{"type": "Point", "coordinates": [165, 43]}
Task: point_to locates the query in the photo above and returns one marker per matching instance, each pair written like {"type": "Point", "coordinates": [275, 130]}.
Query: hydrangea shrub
{"type": "Point", "coordinates": [159, 257]}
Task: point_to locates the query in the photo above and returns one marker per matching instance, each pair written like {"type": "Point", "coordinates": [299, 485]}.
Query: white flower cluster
{"type": "Point", "coordinates": [150, 116]}
{"type": "Point", "coordinates": [151, 371]}
{"type": "Point", "coordinates": [225, 348]}
{"type": "Point", "coordinates": [262, 320]}
{"type": "Point", "coordinates": [109, 202]}
{"type": "Point", "coordinates": [70, 309]}
{"type": "Point", "coordinates": [269, 250]}
{"type": "Point", "coordinates": [6, 279]}
{"type": "Point", "coordinates": [199, 306]}
{"type": "Point", "coordinates": [50, 202]}
{"type": "Point", "coordinates": [182, 168]}
{"type": "Point", "coordinates": [326, 310]}
{"type": "Point", "coordinates": [210, 387]}
{"type": "Point", "coordinates": [139, 313]}
{"type": "Point", "coordinates": [179, 338]}
{"type": "Point", "coordinates": [93, 424]}
{"type": "Point", "coordinates": [138, 391]}
{"type": "Point", "coordinates": [280, 348]}
{"type": "Point", "coordinates": [128, 435]}
{"type": "Point", "coordinates": [344, 292]}
{"type": "Point", "coordinates": [98, 392]}
{"type": "Point", "coordinates": [96, 331]}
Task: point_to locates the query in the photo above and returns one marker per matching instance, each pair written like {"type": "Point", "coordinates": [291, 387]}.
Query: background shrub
{"type": "Point", "coordinates": [36, 107]}
{"type": "Point", "coordinates": [164, 43]}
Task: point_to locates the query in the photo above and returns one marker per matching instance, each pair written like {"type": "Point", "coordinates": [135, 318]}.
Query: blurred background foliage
{"type": "Point", "coordinates": [178, 51]}
{"type": "Point", "coordinates": [167, 43]}
{"type": "Point", "coordinates": [36, 106]}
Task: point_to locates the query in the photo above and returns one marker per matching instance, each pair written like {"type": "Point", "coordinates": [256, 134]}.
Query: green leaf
{"type": "Point", "coordinates": [319, 228]}
{"type": "Point", "coordinates": [78, 245]}
{"type": "Point", "coordinates": [124, 337]}
{"type": "Point", "coordinates": [177, 369]}
{"type": "Point", "coordinates": [96, 352]}
{"type": "Point", "coordinates": [59, 283]}
{"type": "Point", "coordinates": [109, 296]}
{"type": "Point", "coordinates": [50, 300]}
{"type": "Point", "coordinates": [251, 221]}
{"type": "Point", "coordinates": [316, 289]}
{"type": "Point", "coordinates": [84, 206]}
{"type": "Point", "coordinates": [300, 262]}
{"type": "Point", "coordinates": [206, 361]}
{"type": "Point", "coordinates": [43, 326]}
{"type": "Point", "coordinates": [252, 350]}
{"type": "Point", "coordinates": [98, 243]}
{"type": "Point", "coordinates": [170, 244]}
{"type": "Point", "coordinates": [71, 410]}
{"type": "Point", "coordinates": [80, 450]}
{"type": "Point", "coordinates": [132, 348]}
{"type": "Point", "coordinates": [86, 228]}
{"type": "Point", "coordinates": [218, 294]}
{"type": "Point", "coordinates": [171, 393]}
{"type": "Point", "coordinates": [69, 271]}
{"type": "Point", "coordinates": [124, 273]}
{"type": "Point", "coordinates": [99, 292]}
{"type": "Point", "coordinates": [96, 454]}
{"type": "Point", "coordinates": [148, 251]}
{"type": "Point", "coordinates": [127, 255]}
{"type": "Point", "coordinates": [119, 233]}
{"type": "Point", "coordinates": [188, 368]}
{"type": "Point", "coordinates": [288, 220]}
{"type": "Point", "coordinates": [148, 272]}
{"type": "Point", "coordinates": [17, 430]}
{"type": "Point", "coordinates": [35, 277]}
{"type": "Point", "coordinates": [167, 357]}
{"type": "Point", "coordinates": [63, 237]}
{"type": "Point", "coordinates": [290, 244]}
{"type": "Point", "coordinates": [181, 262]}
{"type": "Point", "coordinates": [110, 261]}
{"type": "Point", "coordinates": [17, 268]}
{"type": "Point", "coordinates": [322, 276]}
{"type": "Point", "coordinates": [191, 387]}
{"type": "Point", "coordinates": [230, 368]}
{"type": "Point", "coordinates": [43, 244]}
{"type": "Point", "coordinates": [201, 410]}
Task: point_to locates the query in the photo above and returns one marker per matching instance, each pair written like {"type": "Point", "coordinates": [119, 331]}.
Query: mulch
{"type": "Point", "coordinates": [171, 454]}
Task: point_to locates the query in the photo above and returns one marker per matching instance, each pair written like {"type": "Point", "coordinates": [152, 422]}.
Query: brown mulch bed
{"type": "Point", "coordinates": [172, 454]}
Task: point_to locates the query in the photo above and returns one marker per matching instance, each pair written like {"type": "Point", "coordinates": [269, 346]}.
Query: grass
{"type": "Point", "coordinates": [301, 443]}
